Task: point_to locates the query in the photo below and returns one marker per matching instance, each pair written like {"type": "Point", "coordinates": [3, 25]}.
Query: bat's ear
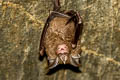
{"type": "Point", "coordinates": [75, 60]}
{"type": "Point", "coordinates": [52, 63]}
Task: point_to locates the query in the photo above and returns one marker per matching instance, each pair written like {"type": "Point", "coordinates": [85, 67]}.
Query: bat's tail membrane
{"type": "Point", "coordinates": [56, 5]}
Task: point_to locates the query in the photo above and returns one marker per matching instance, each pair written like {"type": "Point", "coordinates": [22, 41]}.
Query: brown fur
{"type": "Point", "coordinates": [61, 28]}
{"type": "Point", "coordinates": [58, 33]}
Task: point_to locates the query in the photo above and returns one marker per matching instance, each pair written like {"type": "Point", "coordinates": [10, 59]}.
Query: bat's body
{"type": "Point", "coordinates": [59, 38]}
{"type": "Point", "coordinates": [57, 34]}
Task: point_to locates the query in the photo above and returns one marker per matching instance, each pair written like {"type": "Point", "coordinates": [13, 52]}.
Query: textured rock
{"type": "Point", "coordinates": [21, 23]}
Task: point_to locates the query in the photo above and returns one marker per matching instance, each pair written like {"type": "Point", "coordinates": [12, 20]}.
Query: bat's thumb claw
{"type": "Point", "coordinates": [73, 46]}
{"type": "Point", "coordinates": [41, 52]}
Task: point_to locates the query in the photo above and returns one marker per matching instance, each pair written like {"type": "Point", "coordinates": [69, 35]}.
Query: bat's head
{"type": "Point", "coordinates": [62, 52]}
{"type": "Point", "coordinates": [64, 56]}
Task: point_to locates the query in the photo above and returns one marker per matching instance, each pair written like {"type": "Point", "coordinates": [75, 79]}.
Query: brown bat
{"type": "Point", "coordinates": [60, 37]}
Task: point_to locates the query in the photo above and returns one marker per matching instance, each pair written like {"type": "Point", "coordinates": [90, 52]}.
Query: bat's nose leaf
{"type": "Point", "coordinates": [53, 63]}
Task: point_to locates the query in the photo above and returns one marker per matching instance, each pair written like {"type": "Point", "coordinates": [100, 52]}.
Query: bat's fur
{"type": "Point", "coordinates": [61, 28]}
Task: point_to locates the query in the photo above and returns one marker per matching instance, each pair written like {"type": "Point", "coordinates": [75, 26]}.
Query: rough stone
{"type": "Point", "coordinates": [21, 24]}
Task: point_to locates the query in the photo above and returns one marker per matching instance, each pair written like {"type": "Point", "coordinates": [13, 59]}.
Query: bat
{"type": "Point", "coordinates": [60, 37]}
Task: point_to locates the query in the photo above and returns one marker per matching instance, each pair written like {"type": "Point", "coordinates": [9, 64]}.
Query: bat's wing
{"type": "Point", "coordinates": [42, 49]}
{"type": "Point", "coordinates": [75, 16]}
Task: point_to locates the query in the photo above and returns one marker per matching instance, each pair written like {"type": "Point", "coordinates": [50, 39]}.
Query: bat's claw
{"type": "Point", "coordinates": [41, 52]}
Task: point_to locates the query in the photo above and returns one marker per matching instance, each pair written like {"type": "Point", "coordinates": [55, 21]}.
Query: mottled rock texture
{"type": "Point", "coordinates": [21, 24]}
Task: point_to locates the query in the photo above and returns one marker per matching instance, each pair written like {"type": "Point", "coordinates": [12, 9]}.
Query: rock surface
{"type": "Point", "coordinates": [21, 24]}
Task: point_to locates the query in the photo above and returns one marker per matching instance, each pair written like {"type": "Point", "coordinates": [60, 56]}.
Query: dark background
{"type": "Point", "coordinates": [21, 24]}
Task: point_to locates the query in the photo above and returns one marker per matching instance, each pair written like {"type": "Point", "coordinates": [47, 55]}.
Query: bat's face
{"type": "Point", "coordinates": [62, 52]}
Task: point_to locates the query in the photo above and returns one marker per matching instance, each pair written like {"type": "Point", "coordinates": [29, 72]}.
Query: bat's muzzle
{"type": "Point", "coordinates": [62, 52]}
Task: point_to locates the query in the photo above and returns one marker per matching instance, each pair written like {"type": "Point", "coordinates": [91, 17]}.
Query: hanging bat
{"type": "Point", "coordinates": [60, 37]}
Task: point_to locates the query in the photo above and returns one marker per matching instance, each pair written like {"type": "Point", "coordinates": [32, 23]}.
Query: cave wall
{"type": "Point", "coordinates": [21, 24]}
